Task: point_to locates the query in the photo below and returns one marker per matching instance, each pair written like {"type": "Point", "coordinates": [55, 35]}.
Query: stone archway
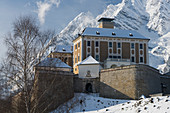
{"type": "Point", "coordinates": [89, 88]}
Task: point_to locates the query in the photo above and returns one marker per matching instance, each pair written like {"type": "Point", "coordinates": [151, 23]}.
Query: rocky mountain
{"type": "Point", "coordinates": [149, 17]}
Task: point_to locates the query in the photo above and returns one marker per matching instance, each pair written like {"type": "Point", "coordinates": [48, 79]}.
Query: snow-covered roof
{"type": "Point", "coordinates": [88, 60]}
{"type": "Point", "coordinates": [106, 19]}
{"type": "Point", "coordinates": [63, 49]}
{"type": "Point", "coordinates": [117, 33]}
{"type": "Point", "coordinates": [53, 62]}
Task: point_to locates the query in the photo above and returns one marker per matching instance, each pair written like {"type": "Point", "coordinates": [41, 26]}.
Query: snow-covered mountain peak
{"type": "Point", "coordinates": [76, 26]}
{"type": "Point", "coordinates": [148, 17]}
{"type": "Point", "coordinates": [159, 11]}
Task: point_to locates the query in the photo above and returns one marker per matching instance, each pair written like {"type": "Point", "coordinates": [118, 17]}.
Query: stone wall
{"type": "Point", "coordinates": [129, 82]}
{"type": "Point", "coordinates": [80, 84]}
{"type": "Point", "coordinates": [51, 89]}
{"type": "Point", "coordinates": [165, 82]}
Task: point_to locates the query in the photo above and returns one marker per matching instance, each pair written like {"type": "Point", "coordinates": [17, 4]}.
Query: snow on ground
{"type": "Point", "coordinates": [91, 103]}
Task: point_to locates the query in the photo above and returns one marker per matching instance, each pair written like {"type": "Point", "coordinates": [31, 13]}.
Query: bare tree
{"type": "Point", "coordinates": [44, 41]}
{"type": "Point", "coordinates": [26, 46]}
{"type": "Point", "coordinates": [22, 54]}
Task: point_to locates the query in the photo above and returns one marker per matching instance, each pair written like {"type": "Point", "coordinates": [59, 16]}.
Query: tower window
{"type": "Point", "coordinates": [97, 44]}
{"type": "Point", "coordinates": [132, 46]}
{"type": "Point", "coordinates": [88, 43]}
{"type": "Point", "coordinates": [110, 44]}
{"type": "Point", "coordinates": [141, 46]}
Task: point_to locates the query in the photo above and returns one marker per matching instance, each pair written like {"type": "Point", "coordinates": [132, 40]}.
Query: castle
{"type": "Point", "coordinates": [111, 47]}
{"type": "Point", "coordinates": [104, 60]}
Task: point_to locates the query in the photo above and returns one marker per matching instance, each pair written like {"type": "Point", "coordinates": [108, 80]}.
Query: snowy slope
{"type": "Point", "coordinates": [149, 17]}
{"type": "Point", "coordinates": [69, 33]}
{"type": "Point", "coordinates": [159, 11]}
{"type": "Point", "coordinates": [84, 103]}
{"type": "Point", "coordinates": [163, 50]}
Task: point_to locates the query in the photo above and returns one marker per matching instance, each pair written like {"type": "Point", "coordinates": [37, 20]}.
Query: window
{"type": "Point", "coordinates": [97, 44]}
{"type": "Point", "coordinates": [79, 44]}
{"type": "Point", "coordinates": [118, 45]}
{"type": "Point", "coordinates": [141, 46]}
{"type": "Point", "coordinates": [88, 55]}
{"type": "Point", "coordinates": [88, 43]}
{"type": "Point", "coordinates": [75, 60]}
{"type": "Point", "coordinates": [76, 46]}
{"type": "Point", "coordinates": [132, 59]}
{"type": "Point", "coordinates": [97, 32]}
{"type": "Point", "coordinates": [119, 57]}
{"type": "Point", "coordinates": [97, 57]}
{"type": "Point", "coordinates": [113, 33]}
{"type": "Point", "coordinates": [78, 58]}
{"type": "Point", "coordinates": [141, 59]}
{"type": "Point", "coordinates": [110, 56]}
{"type": "Point", "coordinates": [114, 56]}
{"type": "Point", "coordinates": [110, 44]}
{"type": "Point", "coordinates": [132, 46]}
{"type": "Point", "coordinates": [65, 60]}
{"type": "Point", "coordinates": [130, 34]}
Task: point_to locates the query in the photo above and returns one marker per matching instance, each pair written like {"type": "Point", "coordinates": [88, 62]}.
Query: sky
{"type": "Point", "coordinates": [50, 14]}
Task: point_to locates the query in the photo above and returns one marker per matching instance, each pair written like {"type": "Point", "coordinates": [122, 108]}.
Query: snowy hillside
{"type": "Point", "coordinates": [149, 17]}
{"type": "Point", "coordinates": [84, 103]}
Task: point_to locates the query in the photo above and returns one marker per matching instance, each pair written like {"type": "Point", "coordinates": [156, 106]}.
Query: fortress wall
{"type": "Point", "coordinates": [52, 88]}
{"type": "Point", "coordinates": [147, 81]}
{"type": "Point", "coordinates": [129, 82]}
{"type": "Point", "coordinates": [165, 81]}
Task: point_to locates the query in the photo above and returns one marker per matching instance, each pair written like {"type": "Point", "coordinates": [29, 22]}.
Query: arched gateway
{"type": "Point", "coordinates": [89, 88]}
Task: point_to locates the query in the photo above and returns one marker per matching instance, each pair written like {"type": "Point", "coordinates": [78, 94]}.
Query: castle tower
{"type": "Point", "coordinates": [106, 23]}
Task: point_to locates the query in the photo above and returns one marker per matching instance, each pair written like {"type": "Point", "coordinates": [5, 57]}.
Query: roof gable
{"type": "Point", "coordinates": [89, 60]}
{"type": "Point", "coordinates": [52, 62]}
{"type": "Point", "coordinates": [62, 49]}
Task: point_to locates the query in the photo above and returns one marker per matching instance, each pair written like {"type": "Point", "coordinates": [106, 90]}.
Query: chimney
{"type": "Point", "coordinates": [106, 23]}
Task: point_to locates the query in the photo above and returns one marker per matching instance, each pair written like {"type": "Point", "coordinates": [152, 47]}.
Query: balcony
{"type": "Point", "coordinates": [117, 59]}
{"type": "Point", "coordinates": [116, 62]}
